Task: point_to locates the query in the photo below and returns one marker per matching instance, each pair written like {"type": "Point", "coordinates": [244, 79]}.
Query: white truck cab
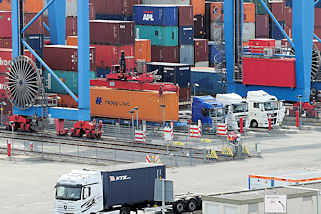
{"type": "Point", "coordinates": [79, 192]}
{"type": "Point", "coordinates": [262, 107]}
{"type": "Point", "coordinates": [235, 108]}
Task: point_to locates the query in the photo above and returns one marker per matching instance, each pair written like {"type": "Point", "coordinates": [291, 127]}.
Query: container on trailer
{"type": "Point", "coordinates": [199, 27]}
{"type": "Point", "coordinates": [262, 26]}
{"type": "Point", "coordinates": [112, 32]}
{"type": "Point", "coordinates": [210, 81]}
{"type": "Point", "coordinates": [165, 54]}
{"type": "Point", "coordinates": [159, 35]}
{"type": "Point", "coordinates": [112, 7]}
{"type": "Point", "coordinates": [216, 52]}
{"type": "Point", "coordinates": [63, 57]}
{"type": "Point", "coordinates": [172, 72]}
{"type": "Point", "coordinates": [186, 35]}
{"type": "Point", "coordinates": [163, 15]}
{"type": "Point", "coordinates": [116, 103]}
{"type": "Point", "coordinates": [198, 7]}
{"type": "Point", "coordinates": [217, 31]}
{"type": "Point", "coordinates": [70, 78]}
{"type": "Point", "coordinates": [200, 50]}
{"type": "Point", "coordinates": [185, 15]}
{"type": "Point", "coordinates": [248, 31]}
{"type": "Point", "coordinates": [186, 55]}
{"type": "Point", "coordinates": [269, 72]}
{"type": "Point", "coordinates": [143, 49]}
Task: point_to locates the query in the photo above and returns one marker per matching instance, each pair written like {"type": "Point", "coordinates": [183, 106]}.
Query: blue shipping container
{"type": "Point", "coordinates": [275, 31]}
{"type": "Point", "coordinates": [186, 35]}
{"type": "Point", "coordinates": [216, 52]}
{"type": "Point", "coordinates": [36, 42]}
{"type": "Point", "coordinates": [186, 54]}
{"type": "Point", "coordinates": [210, 81]}
{"type": "Point", "coordinates": [172, 72]}
{"type": "Point", "coordinates": [156, 15]}
{"type": "Point", "coordinates": [113, 17]}
{"type": "Point", "coordinates": [159, 35]}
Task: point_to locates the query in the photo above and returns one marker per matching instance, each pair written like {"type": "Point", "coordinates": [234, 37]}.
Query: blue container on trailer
{"type": "Point", "coordinates": [275, 31]}
{"type": "Point", "coordinates": [155, 15]}
{"type": "Point", "coordinates": [176, 73]}
{"type": "Point", "coordinates": [186, 35]}
{"type": "Point", "coordinates": [210, 81]}
{"type": "Point", "coordinates": [216, 52]}
{"type": "Point", "coordinates": [159, 35]}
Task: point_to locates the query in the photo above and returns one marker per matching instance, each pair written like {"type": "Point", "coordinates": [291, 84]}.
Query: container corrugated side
{"type": "Point", "coordinates": [143, 49]}
{"type": "Point", "coordinates": [186, 54]}
{"type": "Point", "coordinates": [156, 15]}
{"type": "Point", "coordinates": [186, 35]}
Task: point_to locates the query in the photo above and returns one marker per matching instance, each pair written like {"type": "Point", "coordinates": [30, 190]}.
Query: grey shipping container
{"type": "Point", "coordinates": [248, 31]}
{"type": "Point", "coordinates": [177, 2]}
{"type": "Point", "coordinates": [130, 184]}
{"type": "Point", "coordinates": [217, 31]}
{"type": "Point", "coordinates": [202, 64]}
{"type": "Point", "coordinates": [186, 54]}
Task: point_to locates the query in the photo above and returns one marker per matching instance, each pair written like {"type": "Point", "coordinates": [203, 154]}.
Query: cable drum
{"type": "Point", "coordinates": [23, 82]}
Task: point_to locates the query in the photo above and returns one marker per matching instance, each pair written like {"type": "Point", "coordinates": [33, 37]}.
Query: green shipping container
{"type": "Point", "coordinates": [70, 79]}
{"type": "Point", "coordinates": [159, 35]}
{"type": "Point", "coordinates": [259, 9]}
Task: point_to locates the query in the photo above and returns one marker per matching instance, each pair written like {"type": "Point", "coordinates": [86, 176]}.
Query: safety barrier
{"type": "Point", "coordinates": [168, 133]}
{"type": "Point", "coordinates": [221, 129]}
{"type": "Point", "coordinates": [140, 136]}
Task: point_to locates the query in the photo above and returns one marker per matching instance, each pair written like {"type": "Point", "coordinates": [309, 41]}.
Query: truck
{"type": "Point", "coordinates": [262, 108]}
{"type": "Point", "coordinates": [235, 108]}
{"type": "Point", "coordinates": [126, 188]}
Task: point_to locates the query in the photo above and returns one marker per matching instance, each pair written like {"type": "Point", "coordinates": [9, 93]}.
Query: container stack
{"type": "Point", "coordinates": [215, 21]}
{"type": "Point", "coordinates": [248, 31]}
{"type": "Point", "coordinates": [111, 38]}
{"type": "Point", "coordinates": [170, 29]}
{"type": "Point", "coordinates": [262, 20]}
{"type": "Point", "coordinates": [199, 18]}
{"type": "Point", "coordinates": [283, 13]}
{"type": "Point", "coordinates": [201, 52]}
{"type": "Point", "coordinates": [115, 10]}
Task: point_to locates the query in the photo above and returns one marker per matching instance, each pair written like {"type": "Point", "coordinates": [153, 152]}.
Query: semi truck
{"type": "Point", "coordinates": [129, 187]}
{"type": "Point", "coordinates": [262, 107]}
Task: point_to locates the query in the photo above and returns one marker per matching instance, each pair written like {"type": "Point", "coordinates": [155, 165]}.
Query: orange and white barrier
{"type": "Point", "coordinates": [148, 159]}
{"type": "Point", "coordinates": [169, 133]}
{"type": "Point", "coordinates": [195, 130]}
{"type": "Point", "coordinates": [140, 136]}
{"type": "Point", "coordinates": [221, 129]}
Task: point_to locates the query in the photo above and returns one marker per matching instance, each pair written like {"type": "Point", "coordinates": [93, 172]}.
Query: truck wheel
{"type": "Point", "coordinates": [191, 205]}
{"type": "Point", "coordinates": [254, 124]}
{"type": "Point", "coordinates": [124, 210]}
{"type": "Point", "coordinates": [178, 207]}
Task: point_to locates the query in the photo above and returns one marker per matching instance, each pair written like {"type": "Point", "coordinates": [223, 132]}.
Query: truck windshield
{"type": "Point", "coordinates": [216, 112]}
{"type": "Point", "coordinates": [269, 106]}
{"type": "Point", "coordinates": [238, 108]}
{"type": "Point", "coordinates": [71, 193]}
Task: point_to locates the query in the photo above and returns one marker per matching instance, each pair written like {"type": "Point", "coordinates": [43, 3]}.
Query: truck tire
{"type": "Point", "coordinates": [254, 124]}
{"type": "Point", "coordinates": [191, 205]}
{"type": "Point", "coordinates": [178, 207]}
{"type": "Point", "coordinates": [124, 210]}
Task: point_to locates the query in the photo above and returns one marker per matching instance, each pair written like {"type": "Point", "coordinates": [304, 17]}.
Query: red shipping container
{"type": "Point", "coordinates": [288, 16]}
{"type": "Point", "coordinates": [165, 54]}
{"type": "Point", "coordinates": [6, 43]}
{"type": "Point", "coordinates": [269, 72]}
{"type": "Point", "coordinates": [107, 55]}
{"type": "Point", "coordinates": [200, 50]}
{"type": "Point", "coordinates": [6, 57]}
{"type": "Point", "coordinates": [262, 26]}
{"type": "Point", "coordinates": [112, 7]}
{"type": "Point", "coordinates": [185, 15]}
{"type": "Point", "coordinates": [36, 27]}
{"type": "Point", "coordinates": [71, 26]}
{"type": "Point", "coordinates": [5, 23]}
{"type": "Point", "coordinates": [65, 58]}
{"type": "Point", "coordinates": [110, 32]}
{"type": "Point", "coordinates": [92, 10]}
{"type": "Point", "coordinates": [317, 17]}
{"type": "Point", "coordinates": [278, 10]}
{"type": "Point", "coordinates": [259, 45]}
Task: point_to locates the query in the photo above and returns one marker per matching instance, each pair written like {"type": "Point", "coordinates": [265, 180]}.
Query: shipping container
{"type": "Point", "coordinates": [202, 64]}
{"type": "Point", "coordinates": [112, 32]}
{"type": "Point", "coordinates": [200, 50]}
{"type": "Point", "coordinates": [199, 27]}
{"type": "Point", "coordinates": [216, 11]}
{"type": "Point", "coordinates": [276, 32]}
{"type": "Point", "coordinates": [186, 55]}
{"type": "Point", "coordinates": [266, 43]}
{"type": "Point", "coordinates": [186, 35]}
{"type": "Point", "coordinates": [36, 42]}
{"type": "Point", "coordinates": [65, 58]}
{"type": "Point", "coordinates": [143, 49]}
{"type": "Point", "coordinates": [217, 31]}
{"type": "Point", "coordinates": [278, 10]}
{"type": "Point", "coordinates": [69, 78]}
{"type": "Point", "coordinates": [269, 72]}
{"type": "Point", "coordinates": [185, 94]}
{"type": "Point", "coordinates": [156, 15]}
{"type": "Point", "coordinates": [6, 43]}
{"type": "Point", "coordinates": [109, 55]}
{"type": "Point", "coordinates": [65, 100]}
{"type": "Point", "coordinates": [113, 17]}
{"type": "Point", "coordinates": [262, 26]}
{"type": "Point", "coordinates": [6, 25]}
{"type": "Point", "coordinates": [6, 58]}
{"type": "Point", "coordinates": [71, 26]}
{"type": "Point", "coordinates": [249, 12]}
{"type": "Point", "coordinates": [210, 81]}
{"type": "Point", "coordinates": [159, 35]}
{"type": "Point", "coordinates": [112, 7]}
{"type": "Point", "coordinates": [317, 17]}
{"type": "Point", "coordinates": [102, 72]}
{"type": "Point", "coordinates": [185, 16]}
{"type": "Point", "coordinates": [72, 40]}
{"type": "Point", "coordinates": [31, 6]}
{"type": "Point", "coordinates": [216, 53]}
{"type": "Point", "coordinates": [198, 7]}
{"type": "Point", "coordinates": [116, 103]}
{"type": "Point", "coordinates": [176, 2]}
{"type": "Point", "coordinates": [165, 54]}
{"type": "Point", "coordinates": [259, 9]}
{"type": "Point", "coordinates": [172, 72]}
{"type": "Point", "coordinates": [248, 31]}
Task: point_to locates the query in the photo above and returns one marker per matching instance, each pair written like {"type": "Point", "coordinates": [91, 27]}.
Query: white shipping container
{"type": "Point", "coordinates": [284, 179]}
{"type": "Point", "coordinates": [177, 2]}
{"type": "Point", "coordinates": [248, 31]}
{"type": "Point", "coordinates": [217, 31]}
{"type": "Point", "coordinates": [71, 8]}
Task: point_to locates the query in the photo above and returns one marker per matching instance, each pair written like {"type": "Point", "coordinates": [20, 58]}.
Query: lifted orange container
{"type": "Point", "coordinates": [116, 103]}
{"type": "Point", "coordinates": [72, 40]}
{"type": "Point", "coordinates": [143, 49]}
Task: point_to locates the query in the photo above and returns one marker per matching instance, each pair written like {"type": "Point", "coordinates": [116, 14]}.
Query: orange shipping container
{"type": "Point", "coordinates": [249, 12]}
{"type": "Point", "coordinates": [72, 40]}
{"type": "Point", "coordinates": [198, 7]}
{"type": "Point", "coordinates": [143, 49]}
{"type": "Point", "coordinates": [66, 100]}
{"type": "Point", "coordinates": [31, 6]}
{"type": "Point", "coordinates": [116, 103]}
{"type": "Point", "coordinates": [216, 10]}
